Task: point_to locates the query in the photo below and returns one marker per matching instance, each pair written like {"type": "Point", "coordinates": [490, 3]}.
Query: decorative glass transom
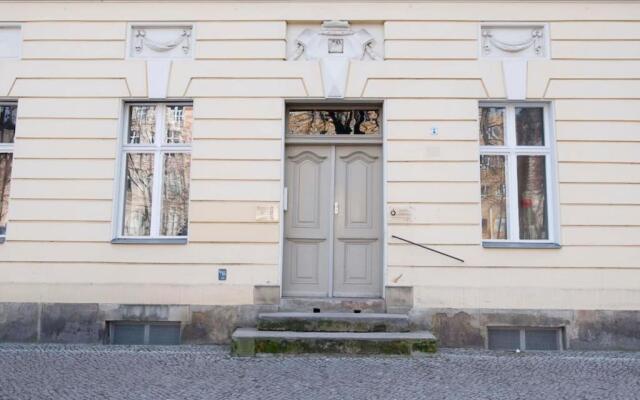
{"type": "Point", "coordinates": [333, 122]}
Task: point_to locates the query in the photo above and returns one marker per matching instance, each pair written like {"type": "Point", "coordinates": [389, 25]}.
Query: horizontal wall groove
{"type": "Point", "coordinates": [417, 161]}
{"type": "Point", "coordinates": [235, 179]}
{"type": "Point", "coordinates": [434, 181]}
{"type": "Point", "coordinates": [600, 226]}
{"type": "Point", "coordinates": [607, 268]}
{"type": "Point", "coordinates": [234, 201]}
{"type": "Point", "coordinates": [35, 178]}
{"type": "Point", "coordinates": [197, 138]}
{"type": "Point", "coordinates": [68, 118]}
{"type": "Point", "coordinates": [218, 264]}
{"type": "Point", "coordinates": [66, 221]}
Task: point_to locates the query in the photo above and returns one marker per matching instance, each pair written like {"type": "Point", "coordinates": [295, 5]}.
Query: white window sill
{"type": "Point", "coordinates": [520, 245]}
{"type": "Point", "coordinates": [125, 240]}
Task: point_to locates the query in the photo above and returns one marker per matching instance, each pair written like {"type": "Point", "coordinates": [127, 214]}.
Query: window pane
{"type": "Point", "coordinates": [164, 334]}
{"type": "Point", "coordinates": [529, 127]}
{"type": "Point", "coordinates": [142, 124]}
{"type": "Point", "coordinates": [541, 339]}
{"type": "Point", "coordinates": [175, 194]}
{"type": "Point", "coordinates": [494, 197]}
{"type": "Point", "coordinates": [128, 333]}
{"type": "Point", "coordinates": [138, 192]}
{"type": "Point", "coordinates": [532, 197]}
{"type": "Point", "coordinates": [178, 121]}
{"type": "Point", "coordinates": [326, 122]}
{"type": "Point", "coordinates": [491, 126]}
{"type": "Point", "coordinates": [5, 180]}
{"type": "Point", "coordinates": [8, 115]}
{"type": "Point", "coordinates": [504, 339]}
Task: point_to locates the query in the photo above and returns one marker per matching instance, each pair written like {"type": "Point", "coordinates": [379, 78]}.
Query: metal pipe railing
{"type": "Point", "coordinates": [427, 248]}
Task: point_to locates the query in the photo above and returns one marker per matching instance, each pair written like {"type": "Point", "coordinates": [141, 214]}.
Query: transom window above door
{"type": "Point", "coordinates": [516, 174]}
{"type": "Point", "coordinates": [333, 122]}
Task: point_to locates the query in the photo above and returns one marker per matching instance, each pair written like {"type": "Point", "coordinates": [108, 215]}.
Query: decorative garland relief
{"type": "Point", "coordinates": [490, 41]}
{"type": "Point", "coordinates": [142, 41]}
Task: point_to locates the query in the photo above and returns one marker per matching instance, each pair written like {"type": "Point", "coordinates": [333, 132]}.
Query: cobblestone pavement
{"type": "Point", "coordinates": [208, 372]}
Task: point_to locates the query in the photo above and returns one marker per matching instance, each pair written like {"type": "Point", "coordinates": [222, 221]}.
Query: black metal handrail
{"type": "Point", "coordinates": [427, 248]}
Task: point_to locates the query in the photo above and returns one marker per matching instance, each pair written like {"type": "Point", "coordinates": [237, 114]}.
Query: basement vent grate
{"type": "Point", "coordinates": [527, 338]}
{"type": "Point", "coordinates": [154, 333]}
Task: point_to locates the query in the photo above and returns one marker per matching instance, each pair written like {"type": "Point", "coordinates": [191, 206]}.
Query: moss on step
{"type": "Point", "coordinates": [356, 347]}
{"type": "Point", "coordinates": [327, 325]}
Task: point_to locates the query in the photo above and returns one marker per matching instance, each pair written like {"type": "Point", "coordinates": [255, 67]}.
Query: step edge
{"type": "Point", "coordinates": [252, 333]}
{"type": "Point", "coordinates": [336, 315]}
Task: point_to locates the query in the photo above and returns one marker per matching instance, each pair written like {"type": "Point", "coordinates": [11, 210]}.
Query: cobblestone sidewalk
{"type": "Point", "coordinates": [208, 372]}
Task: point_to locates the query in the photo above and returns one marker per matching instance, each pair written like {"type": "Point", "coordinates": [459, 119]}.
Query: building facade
{"type": "Point", "coordinates": [196, 163]}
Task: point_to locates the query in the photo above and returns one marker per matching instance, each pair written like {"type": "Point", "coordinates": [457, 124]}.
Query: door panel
{"type": "Point", "coordinates": [358, 222]}
{"type": "Point", "coordinates": [307, 243]}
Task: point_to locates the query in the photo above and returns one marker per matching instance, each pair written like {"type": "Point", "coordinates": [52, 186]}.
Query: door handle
{"type": "Point", "coordinates": [285, 199]}
{"type": "Point", "coordinates": [336, 208]}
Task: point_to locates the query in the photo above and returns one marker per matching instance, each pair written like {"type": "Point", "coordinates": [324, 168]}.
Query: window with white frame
{"type": "Point", "coordinates": [516, 172]}
{"type": "Point", "coordinates": [8, 114]}
{"type": "Point", "coordinates": [156, 163]}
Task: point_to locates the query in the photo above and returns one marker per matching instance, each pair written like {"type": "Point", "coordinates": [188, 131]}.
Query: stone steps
{"type": "Point", "coordinates": [250, 341]}
{"type": "Point", "coordinates": [334, 304]}
{"type": "Point", "coordinates": [333, 322]}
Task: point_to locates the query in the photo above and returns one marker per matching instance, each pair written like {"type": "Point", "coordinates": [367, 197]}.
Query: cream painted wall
{"type": "Point", "coordinates": [73, 77]}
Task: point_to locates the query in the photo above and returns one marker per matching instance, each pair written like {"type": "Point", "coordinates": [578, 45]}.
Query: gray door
{"type": "Point", "coordinates": [358, 222]}
{"type": "Point", "coordinates": [333, 221]}
{"type": "Point", "coordinates": [307, 224]}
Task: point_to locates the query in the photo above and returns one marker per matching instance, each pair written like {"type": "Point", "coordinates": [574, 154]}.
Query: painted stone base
{"type": "Point", "coordinates": [584, 329]}
{"type": "Point", "coordinates": [86, 323]}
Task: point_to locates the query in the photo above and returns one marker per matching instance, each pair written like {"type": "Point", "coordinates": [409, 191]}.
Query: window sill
{"type": "Point", "coordinates": [149, 241]}
{"type": "Point", "coordinates": [520, 245]}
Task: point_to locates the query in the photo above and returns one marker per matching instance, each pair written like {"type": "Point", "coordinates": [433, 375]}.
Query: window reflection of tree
{"type": "Point", "coordinates": [532, 197]}
{"type": "Point", "coordinates": [175, 198]}
{"type": "Point", "coordinates": [8, 120]}
{"type": "Point", "coordinates": [493, 191]}
{"type": "Point", "coordinates": [492, 126]}
{"type": "Point", "coordinates": [139, 193]}
{"type": "Point", "coordinates": [142, 125]}
{"type": "Point", "coordinates": [8, 114]}
{"type": "Point", "coordinates": [529, 126]}
{"type": "Point", "coordinates": [5, 180]}
{"type": "Point", "coordinates": [334, 122]}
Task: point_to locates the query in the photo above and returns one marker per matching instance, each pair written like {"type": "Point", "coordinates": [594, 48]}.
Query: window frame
{"type": "Point", "coordinates": [522, 334]}
{"type": "Point", "coordinates": [332, 106]}
{"type": "Point", "coordinates": [158, 148]}
{"type": "Point", "coordinates": [510, 150]}
{"type": "Point", "coordinates": [9, 148]}
{"type": "Point", "coordinates": [113, 325]}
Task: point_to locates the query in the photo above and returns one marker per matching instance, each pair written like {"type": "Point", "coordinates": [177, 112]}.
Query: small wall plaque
{"type": "Point", "coordinates": [266, 214]}
{"type": "Point", "coordinates": [401, 214]}
{"type": "Point", "coordinates": [222, 274]}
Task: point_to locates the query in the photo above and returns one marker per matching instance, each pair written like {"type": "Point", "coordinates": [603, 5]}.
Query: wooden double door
{"type": "Point", "coordinates": [333, 221]}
